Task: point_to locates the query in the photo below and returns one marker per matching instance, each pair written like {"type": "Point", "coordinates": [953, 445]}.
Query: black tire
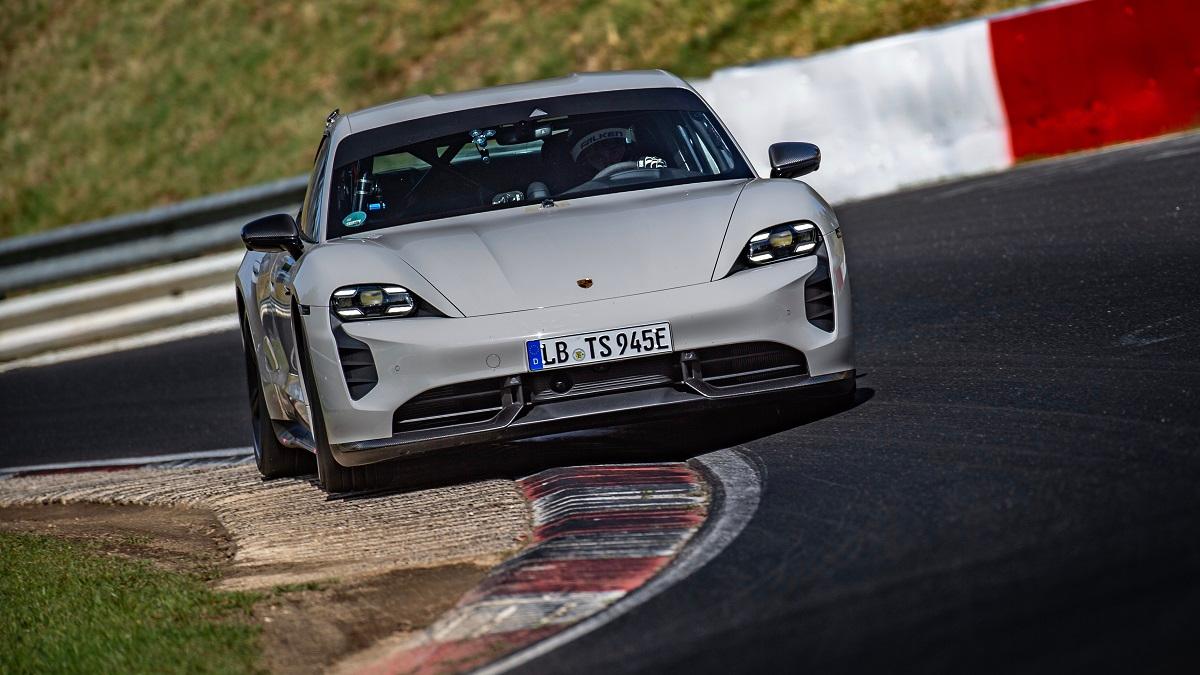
{"type": "Point", "coordinates": [273, 459]}
{"type": "Point", "coordinates": [333, 476]}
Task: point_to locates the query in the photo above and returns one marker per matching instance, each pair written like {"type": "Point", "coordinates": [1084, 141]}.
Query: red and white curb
{"type": "Point", "coordinates": [606, 538]}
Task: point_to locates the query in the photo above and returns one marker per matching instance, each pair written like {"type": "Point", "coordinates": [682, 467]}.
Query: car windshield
{"type": "Point", "coordinates": [480, 166]}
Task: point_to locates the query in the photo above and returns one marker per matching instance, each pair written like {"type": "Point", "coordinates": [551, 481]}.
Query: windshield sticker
{"type": "Point", "coordinates": [354, 219]}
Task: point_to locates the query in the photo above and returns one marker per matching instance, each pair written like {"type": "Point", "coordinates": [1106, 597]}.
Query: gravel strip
{"type": "Point", "coordinates": [287, 532]}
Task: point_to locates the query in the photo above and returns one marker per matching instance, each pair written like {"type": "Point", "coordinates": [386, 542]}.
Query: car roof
{"type": "Point", "coordinates": [576, 83]}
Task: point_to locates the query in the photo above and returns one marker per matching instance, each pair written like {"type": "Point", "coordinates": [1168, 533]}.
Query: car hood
{"type": "Point", "coordinates": [529, 257]}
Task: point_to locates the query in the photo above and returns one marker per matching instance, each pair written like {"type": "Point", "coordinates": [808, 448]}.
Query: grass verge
{"type": "Point", "coordinates": [67, 608]}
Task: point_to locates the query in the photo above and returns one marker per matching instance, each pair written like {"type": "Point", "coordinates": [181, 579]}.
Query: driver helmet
{"type": "Point", "coordinates": [602, 148]}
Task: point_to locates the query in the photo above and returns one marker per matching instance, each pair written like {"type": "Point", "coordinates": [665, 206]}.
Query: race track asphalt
{"type": "Point", "coordinates": [1017, 490]}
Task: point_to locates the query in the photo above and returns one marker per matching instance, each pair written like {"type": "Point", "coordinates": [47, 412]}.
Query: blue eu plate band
{"type": "Point", "coordinates": [534, 348]}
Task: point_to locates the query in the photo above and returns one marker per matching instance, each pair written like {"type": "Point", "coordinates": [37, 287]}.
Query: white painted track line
{"type": "Point", "coordinates": [114, 322]}
{"type": "Point", "coordinates": [224, 453]}
{"type": "Point", "coordinates": [192, 329]}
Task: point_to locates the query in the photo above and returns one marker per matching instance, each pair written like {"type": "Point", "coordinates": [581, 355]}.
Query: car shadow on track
{"type": "Point", "coordinates": [670, 440]}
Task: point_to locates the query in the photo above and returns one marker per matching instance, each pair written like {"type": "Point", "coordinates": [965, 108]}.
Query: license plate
{"type": "Point", "coordinates": [605, 345]}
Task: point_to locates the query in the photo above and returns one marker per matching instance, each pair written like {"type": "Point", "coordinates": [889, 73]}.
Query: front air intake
{"type": "Point", "coordinates": [749, 362]}
{"type": "Point", "coordinates": [358, 367]}
{"type": "Point", "coordinates": [818, 294]}
{"type": "Point", "coordinates": [453, 404]}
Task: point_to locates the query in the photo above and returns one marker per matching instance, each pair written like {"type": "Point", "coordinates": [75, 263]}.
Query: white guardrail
{"type": "Point", "coordinates": [174, 299]}
{"type": "Point", "coordinates": [182, 297]}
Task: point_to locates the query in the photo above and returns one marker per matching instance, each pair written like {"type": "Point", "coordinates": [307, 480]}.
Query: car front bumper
{"type": "Point", "coordinates": [416, 355]}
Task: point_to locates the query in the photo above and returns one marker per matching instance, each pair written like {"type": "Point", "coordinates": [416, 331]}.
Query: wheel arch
{"type": "Point", "coordinates": [253, 340]}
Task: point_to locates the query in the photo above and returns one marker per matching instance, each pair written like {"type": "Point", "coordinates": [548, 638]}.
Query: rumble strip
{"type": "Point", "coordinates": [600, 533]}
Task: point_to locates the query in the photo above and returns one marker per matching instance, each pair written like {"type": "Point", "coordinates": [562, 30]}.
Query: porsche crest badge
{"type": "Point", "coordinates": [585, 282]}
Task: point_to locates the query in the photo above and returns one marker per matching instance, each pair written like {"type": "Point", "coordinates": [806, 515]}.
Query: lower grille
{"type": "Point", "coordinates": [818, 294]}
{"type": "Point", "coordinates": [747, 362]}
{"type": "Point", "coordinates": [465, 403]}
{"type": "Point", "coordinates": [485, 400]}
{"type": "Point", "coordinates": [358, 367]}
{"type": "Point", "coordinates": [603, 378]}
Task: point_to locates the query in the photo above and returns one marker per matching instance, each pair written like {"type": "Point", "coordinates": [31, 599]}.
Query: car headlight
{"type": "Point", "coordinates": [789, 240]}
{"type": "Point", "coordinates": [372, 301]}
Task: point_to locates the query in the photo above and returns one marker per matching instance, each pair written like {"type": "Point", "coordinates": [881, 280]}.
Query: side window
{"type": "Point", "coordinates": [313, 196]}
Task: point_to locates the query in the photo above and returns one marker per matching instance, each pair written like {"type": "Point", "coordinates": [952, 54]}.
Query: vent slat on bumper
{"type": "Point", "coordinates": [753, 375]}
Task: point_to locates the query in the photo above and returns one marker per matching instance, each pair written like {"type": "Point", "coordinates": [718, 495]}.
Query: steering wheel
{"type": "Point", "coordinates": [614, 168]}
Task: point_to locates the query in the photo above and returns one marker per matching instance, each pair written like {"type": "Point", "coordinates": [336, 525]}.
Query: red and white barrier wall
{"type": "Point", "coordinates": [975, 96]}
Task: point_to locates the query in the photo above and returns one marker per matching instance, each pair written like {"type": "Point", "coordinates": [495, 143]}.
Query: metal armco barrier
{"type": "Point", "coordinates": [174, 232]}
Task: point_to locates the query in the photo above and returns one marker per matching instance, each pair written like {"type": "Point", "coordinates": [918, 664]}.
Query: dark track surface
{"type": "Point", "coordinates": [175, 397]}
{"type": "Point", "coordinates": [1019, 491]}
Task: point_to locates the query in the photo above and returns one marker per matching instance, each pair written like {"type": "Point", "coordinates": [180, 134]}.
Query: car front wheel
{"type": "Point", "coordinates": [273, 459]}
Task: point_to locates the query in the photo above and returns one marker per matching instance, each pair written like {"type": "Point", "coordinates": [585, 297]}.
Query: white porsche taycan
{"type": "Point", "coordinates": [530, 259]}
